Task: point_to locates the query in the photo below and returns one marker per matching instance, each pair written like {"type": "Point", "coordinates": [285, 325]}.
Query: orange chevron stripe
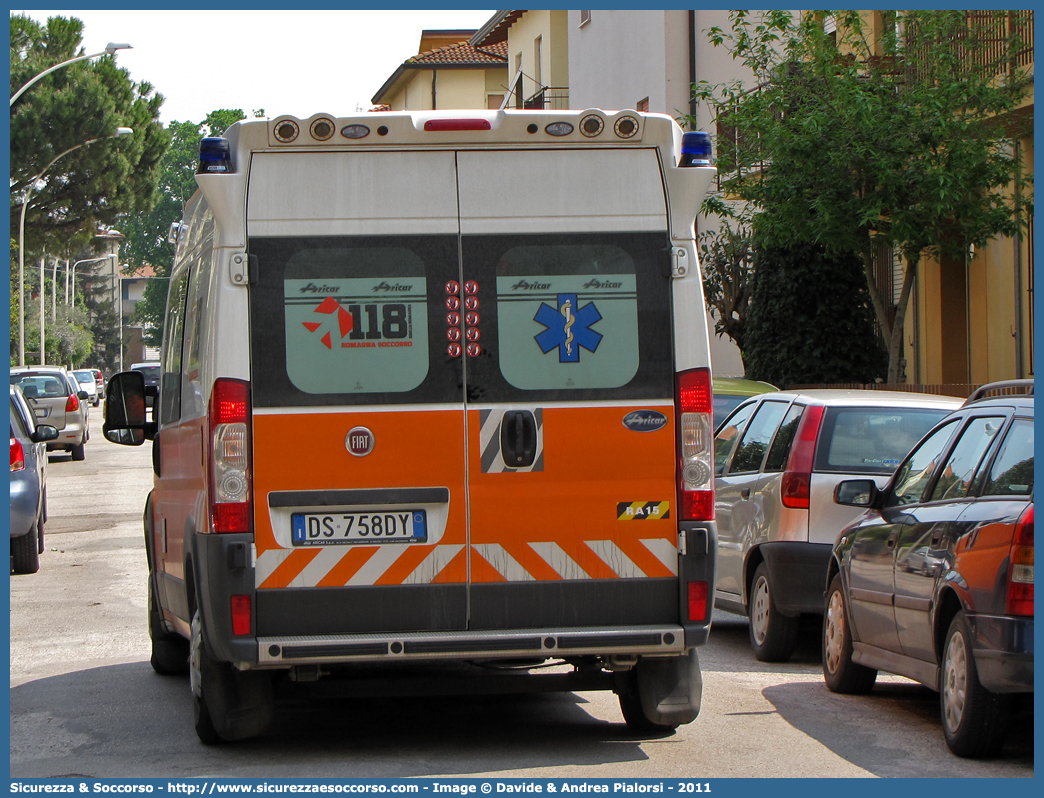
{"type": "Point", "coordinates": [532, 562]}
{"type": "Point", "coordinates": [289, 568]}
{"type": "Point", "coordinates": [347, 566]}
{"type": "Point", "coordinates": [482, 571]}
{"type": "Point", "coordinates": [456, 570]}
{"type": "Point", "coordinates": [587, 559]}
{"type": "Point", "coordinates": [642, 557]}
{"type": "Point", "coordinates": [404, 566]}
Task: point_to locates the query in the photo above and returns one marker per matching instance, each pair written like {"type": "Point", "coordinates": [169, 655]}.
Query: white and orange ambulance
{"type": "Point", "coordinates": [435, 396]}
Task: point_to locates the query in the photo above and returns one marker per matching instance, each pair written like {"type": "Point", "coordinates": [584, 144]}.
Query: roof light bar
{"type": "Point", "coordinates": [696, 149]}
{"type": "Point", "coordinates": [214, 156]}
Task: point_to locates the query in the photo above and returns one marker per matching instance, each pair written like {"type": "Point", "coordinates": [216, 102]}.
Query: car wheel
{"type": "Point", "coordinates": [841, 674]}
{"type": "Point", "coordinates": [633, 714]}
{"type": "Point", "coordinates": [170, 652]}
{"type": "Point", "coordinates": [974, 720]}
{"type": "Point", "coordinates": [773, 636]}
{"type": "Point", "coordinates": [25, 552]}
{"type": "Point", "coordinates": [40, 535]}
{"type": "Point", "coordinates": [226, 704]}
{"type": "Point", "coordinates": [77, 452]}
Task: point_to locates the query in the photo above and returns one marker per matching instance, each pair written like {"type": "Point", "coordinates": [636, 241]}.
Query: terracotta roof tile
{"type": "Point", "coordinates": [462, 54]}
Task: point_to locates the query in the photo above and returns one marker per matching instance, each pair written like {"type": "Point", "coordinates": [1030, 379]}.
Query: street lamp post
{"type": "Point", "coordinates": [110, 48]}
{"type": "Point", "coordinates": [72, 270]}
{"type": "Point", "coordinates": [120, 131]}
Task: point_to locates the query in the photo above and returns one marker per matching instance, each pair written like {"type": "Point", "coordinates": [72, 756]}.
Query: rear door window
{"type": "Point", "coordinates": [913, 476]}
{"type": "Point", "coordinates": [955, 478]}
{"type": "Point", "coordinates": [777, 457]}
{"type": "Point", "coordinates": [1012, 471]}
{"type": "Point", "coordinates": [355, 320]}
{"type": "Point", "coordinates": [756, 438]}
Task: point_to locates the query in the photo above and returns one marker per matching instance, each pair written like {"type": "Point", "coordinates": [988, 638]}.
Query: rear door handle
{"type": "Point", "coordinates": [518, 438]}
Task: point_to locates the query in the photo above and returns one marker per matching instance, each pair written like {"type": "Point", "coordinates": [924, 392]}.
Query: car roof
{"type": "Point", "coordinates": [869, 398]}
{"type": "Point", "coordinates": [143, 365]}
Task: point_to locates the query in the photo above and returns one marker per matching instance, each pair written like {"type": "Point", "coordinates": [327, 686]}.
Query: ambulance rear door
{"type": "Point", "coordinates": [569, 371]}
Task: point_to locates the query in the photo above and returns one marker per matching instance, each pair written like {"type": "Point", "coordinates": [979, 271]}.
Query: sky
{"type": "Point", "coordinates": [284, 62]}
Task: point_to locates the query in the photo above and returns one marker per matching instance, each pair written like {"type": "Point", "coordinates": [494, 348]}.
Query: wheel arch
{"type": "Point", "coordinates": [755, 557]}
{"type": "Point", "coordinates": [947, 606]}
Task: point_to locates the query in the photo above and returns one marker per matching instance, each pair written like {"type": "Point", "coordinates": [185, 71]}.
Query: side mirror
{"type": "Point", "coordinates": [856, 493]}
{"type": "Point", "coordinates": [125, 421]}
{"type": "Point", "coordinates": [44, 432]}
{"type": "Point", "coordinates": [82, 395]}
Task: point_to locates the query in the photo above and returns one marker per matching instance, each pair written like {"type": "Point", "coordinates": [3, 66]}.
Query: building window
{"type": "Point", "coordinates": [585, 17]}
{"type": "Point", "coordinates": [494, 101]}
{"type": "Point", "coordinates": [643, 106]}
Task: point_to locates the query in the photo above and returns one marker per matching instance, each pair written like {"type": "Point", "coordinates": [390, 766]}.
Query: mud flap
{"type": "Point", "coordinates": [670, 688]}
{"type": "Point", "coordinates": [240, 702]}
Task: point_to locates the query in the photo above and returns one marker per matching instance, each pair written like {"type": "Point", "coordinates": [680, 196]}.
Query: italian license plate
{"type": "Point", "coordinates": [333, 529]}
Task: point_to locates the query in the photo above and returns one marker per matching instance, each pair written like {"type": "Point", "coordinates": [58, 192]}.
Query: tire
{"type": "Point", "coordinates": [773, 636]}
{"type": "Point", "coordinates": [841, 674]}
{"type": "Point", "coordinates": [974, 720]}
{"type": "Point", "coordinates": [634, 716]}
{"type": "Point", "coordinates": [77, 452]}
{"type": "Point", "coordinates": [40, 535]}
{"type": "Point", "coordinates": [25, 551]}
{"type": "Point", "coordinates": [170, 652]}
{"type": "Point", "coordinates": [227, 704]}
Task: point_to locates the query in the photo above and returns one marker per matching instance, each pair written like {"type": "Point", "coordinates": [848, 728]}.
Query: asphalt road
{"type": "Point", "coordinates": [85, 701]}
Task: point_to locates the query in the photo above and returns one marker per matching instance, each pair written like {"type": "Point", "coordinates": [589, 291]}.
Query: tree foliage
{"type": "Point", "coordinates": [810, 319]}
{"type": "Point", "coordinates": [725, 259]}
{"type": "Point", "coordinates": [86, 101]}
{"type": "Point", "coordinates": [852, 142]}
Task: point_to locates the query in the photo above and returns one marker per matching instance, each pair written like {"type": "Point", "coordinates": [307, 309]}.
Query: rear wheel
{"type": "Point", "coordinates": [974, 720]}
{"type": "Point", "coordinates": [841, 674]}
{"type": "Point", "coordinates": [227, 704]}
{"type": "Point", "coordinates": [773, 635]}
{"type": "Point", "coordinates": [77, 452]}
{"type": "Point", "coordinates": [170, 652]}
{"type": "Point", "coordinates": [633, 714]}
{"type": "Point", "coordinates": [25, 551]}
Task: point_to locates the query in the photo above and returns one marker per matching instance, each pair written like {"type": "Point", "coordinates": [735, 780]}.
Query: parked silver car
{"type": "Point", "coordinates": [778, 458]}
{"type": "Point", "coordinates": [28, 484]}
{"type": "Point", "coordinates": [88, 382]}
{"type": "Point", "coordinates": [57, 400]}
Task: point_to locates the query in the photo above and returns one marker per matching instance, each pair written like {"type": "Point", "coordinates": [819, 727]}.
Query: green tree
{"type": "Point", "coordinates": [147, 233]}
{"type": "Point", "coordinates": [854, 144]}
{"type": "Point", "coordinates": [810, 319]}
{"type": "Point", "coordinates": [726, 264]}
{"type": "Point", "coordinates": [94, 184]}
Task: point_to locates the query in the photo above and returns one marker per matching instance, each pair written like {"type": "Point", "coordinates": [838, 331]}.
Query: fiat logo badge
{"type": "Point", "coordinates": [359, 441]}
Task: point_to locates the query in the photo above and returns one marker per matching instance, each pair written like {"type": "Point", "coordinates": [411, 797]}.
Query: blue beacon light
{"type": "Point", "coordinates": [214, 157]}
{"type": "Point", "coordinates": [696, 149]}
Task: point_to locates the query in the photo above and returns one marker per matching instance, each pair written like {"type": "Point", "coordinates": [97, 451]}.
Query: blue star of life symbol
{"type": "Point", "coordinates": [568, 328]}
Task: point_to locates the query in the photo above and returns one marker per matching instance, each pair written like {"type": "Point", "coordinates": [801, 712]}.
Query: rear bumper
{"type": "Point", "coordinates": [68, 436]}
{"type": "Point", "coordinates": [1003, 648]}
{"type": "Point", "coordinates": [666, 640]}
{"type": "Point", "coordinates": [797, 572]}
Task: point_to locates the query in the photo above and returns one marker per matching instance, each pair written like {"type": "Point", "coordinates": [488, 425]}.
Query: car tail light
{"type": "Point", "coordinates": [697, 601]}
{"type": "Point", "coordinates": [797, 478]}
{"type": "Point", "coordinates": [1020, 571]}
{"type": "Point", "coordinates": [17, 455]}
{"type": "Point", "coordinates": [695, 406]}
{"type": "Point", "coordinates": [240, 615]}
{"type": "Point", "coordinates": [231, 506]}
{"type": "Point", "coordinates": [72, 404]}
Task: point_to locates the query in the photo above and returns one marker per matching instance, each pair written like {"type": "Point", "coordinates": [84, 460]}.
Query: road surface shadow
{"type": "Point", "coordinates": [896, 730]}
{"type": "Point", "coordinates": [126, 721]}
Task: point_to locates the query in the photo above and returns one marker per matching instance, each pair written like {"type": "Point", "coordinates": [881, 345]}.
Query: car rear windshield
{"type": "Point", "coordinates": [871, 440]}
{"type": "Point", "coordinates": [150, 372]}
{"type": "Point", "coordinates": [41, 385]}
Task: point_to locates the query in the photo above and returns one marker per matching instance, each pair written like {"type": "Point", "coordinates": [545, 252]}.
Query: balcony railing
{"type": "Point", "coordinates": [554, 98]}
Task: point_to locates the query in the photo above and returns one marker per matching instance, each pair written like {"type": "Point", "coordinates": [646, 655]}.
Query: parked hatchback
{"type": "Point", "coordinates": [88, 382]}
{"type": "Point", "coordinates": [729, 393]}
{"type": "Point", "coordinates": [28, 484]}
{"type": "Point", "coordinates": [935, 581]}
{"type": "Point", "coordinates": [778, 458]}
{"type": "Point", "coordinates": [58, 400]}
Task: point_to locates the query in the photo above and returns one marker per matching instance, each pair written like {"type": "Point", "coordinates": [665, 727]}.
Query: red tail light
{"type": "Point", "coordinates": [697, 601]}
{"type": "Point", "coordinates": [1020, 569]}
{"type": "Point", "coordinates": [231, 505]}
{"type": "Point", "coordinates": [17, 455]}
{"type": "Point", "coordinates": [695, 407]}
{"type": "Point", "coordinates": [240, 615]}
{"type": "Point", "coordinates": [797, 479]}
{"type": "Point", "coordinates": [72, 403]}
{"type": "Point", "coordinates": [456, 124]}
